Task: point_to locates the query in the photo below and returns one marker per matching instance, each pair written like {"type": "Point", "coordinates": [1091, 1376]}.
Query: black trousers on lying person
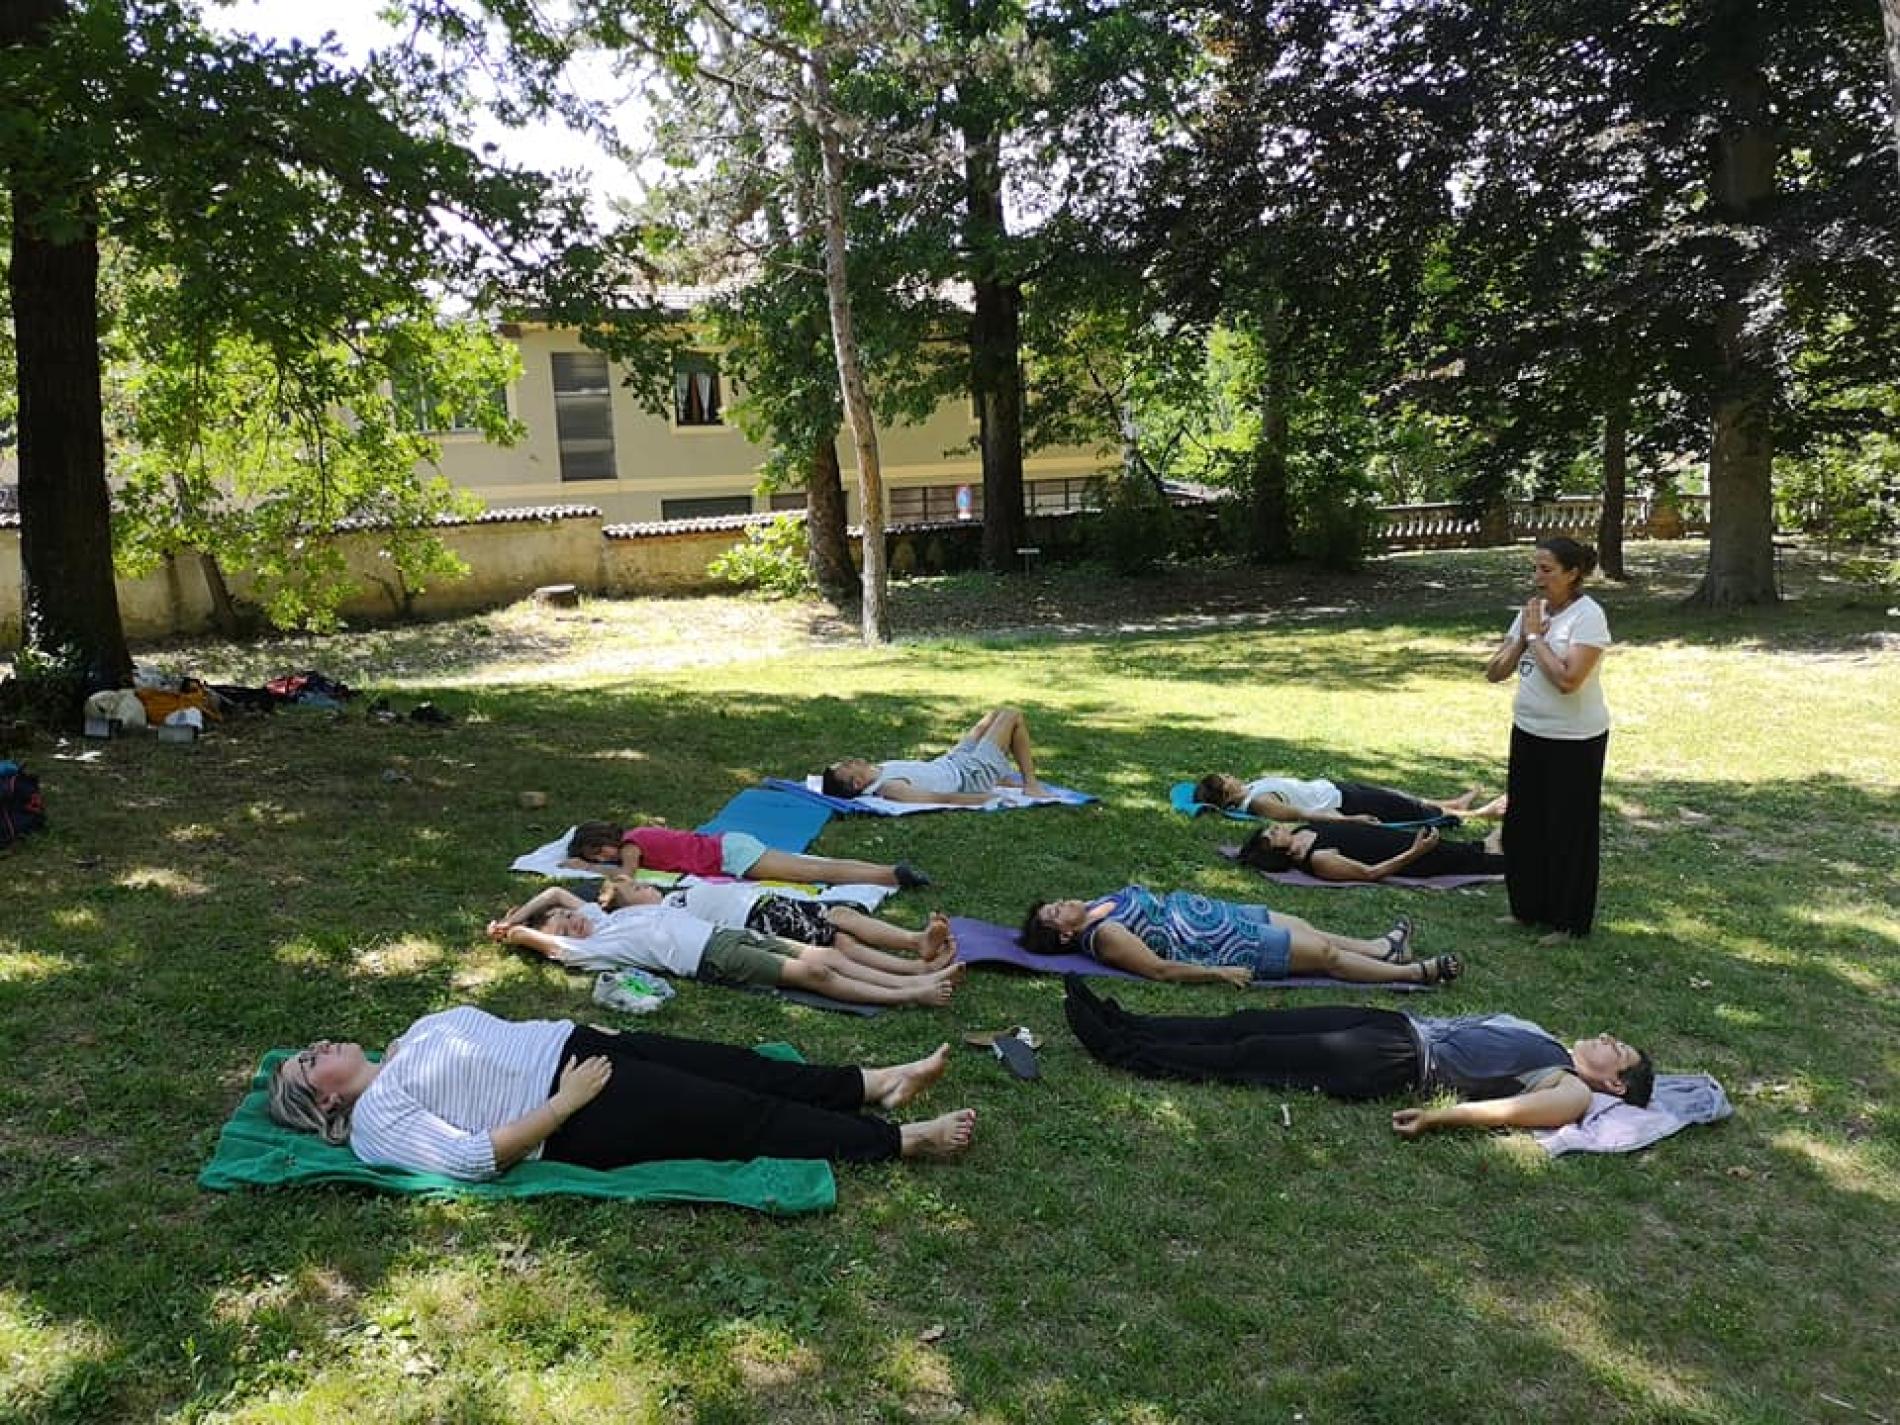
{"type": "Point", "coordinates": [1343, 1051]}
{"type": "Point", "coordinates": [1364, 799]}
{"type": "Point", "coordinates": [686, 1098]}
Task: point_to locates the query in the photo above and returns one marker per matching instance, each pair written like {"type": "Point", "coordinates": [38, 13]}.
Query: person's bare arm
{"type": "Point", "coordinates": [1570, 671]}
{"type": "Point", "coordinates": [1553, 1106]}
{"type": "Point", "coordinates": [903, 791]}
{"type": "Point", "coordinates": [1274, 808]}
{"type": "Point", "coordinates": [1119, 946]}
{"type": "Point", "coordinates": [580, 1083]}
{"type": "Point", "coordinates": [529, 938]}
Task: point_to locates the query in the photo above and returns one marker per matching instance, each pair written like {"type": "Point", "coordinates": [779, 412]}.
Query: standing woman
{"type": "Point", "coordinates": [1560, 729]}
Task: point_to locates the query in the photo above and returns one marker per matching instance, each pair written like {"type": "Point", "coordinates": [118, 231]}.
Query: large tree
{"type": "Point", "coordinates": [286, 198]}
{"type": "Point", "coordinates": [1711, 177]}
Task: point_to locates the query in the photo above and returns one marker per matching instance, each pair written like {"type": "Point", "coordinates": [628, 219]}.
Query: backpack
{"type": "Point", "coordinates": [21, 809]}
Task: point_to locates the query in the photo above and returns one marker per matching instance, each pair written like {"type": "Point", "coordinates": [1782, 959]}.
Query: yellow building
{"type": "Point", "coordinates": [590, 441]}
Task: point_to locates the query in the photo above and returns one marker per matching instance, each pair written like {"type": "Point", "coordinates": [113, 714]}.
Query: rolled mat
{"type": "Point", "coordinates": [252, 1151]}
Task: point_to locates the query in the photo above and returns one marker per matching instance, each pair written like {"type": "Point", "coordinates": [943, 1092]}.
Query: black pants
{"type": "Point", "coordinates": [1551, 829]}
{"type": "Point", "coordinates": [1362, 799]}
{"type": "Point", "coordinates": [686, 1098]}
{"type": "Point", "coordinates": [1458, 858]}
{"type": "Point", "coordinates": [1344, 1051]}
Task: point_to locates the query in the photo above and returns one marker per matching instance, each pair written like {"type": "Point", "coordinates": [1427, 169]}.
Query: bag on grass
{"type": "Point", "coordinates": [21, 809]}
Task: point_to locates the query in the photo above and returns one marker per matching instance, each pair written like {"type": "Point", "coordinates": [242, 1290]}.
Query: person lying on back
{"type": "Point", "coordinates": [966, 775]}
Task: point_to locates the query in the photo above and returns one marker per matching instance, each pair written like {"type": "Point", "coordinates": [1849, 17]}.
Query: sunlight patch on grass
{"type": "Point", "coordinates": [393, 958]}
{"type": "Point", "coordinates": [39, 1353]}
{"type": "Point", "coordinates": [1582, 1322]}
{"type": "Point", "coordinates": [1167, 1114]}
{"type": "Point", "coordinates": [765, 1356]}
{"type": "Point", "coordinates": [175, 884]}
{"type": "Point", "coordinates": [76, 917]}
{"type": "Point", "coordinates": [195, 833]}
{"type": "Point", "coordinates": [619, 754]}
{"type": "Point", "coordinates": [18, 967]}
{"type": "Point", "coordinates": [1846, 1167]}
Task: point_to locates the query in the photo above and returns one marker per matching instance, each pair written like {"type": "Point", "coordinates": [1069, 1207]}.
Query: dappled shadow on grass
{"type": "Point", "coordinates": [1112, 1248]}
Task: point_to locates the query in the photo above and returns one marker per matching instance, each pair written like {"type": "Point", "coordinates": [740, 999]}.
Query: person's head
{"type": "Point", "coordinates": [1050, 927]}
{"type": "Point", "coordinates": [1269, 849]}
{"type": "Point", "coordinates": [566, 921]}
{"type": "Point", "coordinates": [1219, 789]}
{"type": "Point", "coordinates": [314, 1089]}
{"type": "Point", "coordinates": [596, 841]}
{"type": "Point", "coordinates": [1610, 1066]}
{"type": "Point", "coordinates": [1559, 565]}
{"type": "Point", "coordinates": [848, 777]}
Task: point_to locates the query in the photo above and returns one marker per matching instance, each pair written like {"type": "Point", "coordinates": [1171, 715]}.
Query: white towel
{"type": "Point", "coordinates": [546, 861]}
{"type": "Point", "coordinates": [1612, 1126]}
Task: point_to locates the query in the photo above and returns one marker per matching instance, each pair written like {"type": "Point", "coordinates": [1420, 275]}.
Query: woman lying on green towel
{"type": "Point", "coordinates": [469, 1095]}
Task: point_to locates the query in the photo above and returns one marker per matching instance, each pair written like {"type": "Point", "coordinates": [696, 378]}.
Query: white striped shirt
{"type": "Point", "coordinates": [446, 1082]}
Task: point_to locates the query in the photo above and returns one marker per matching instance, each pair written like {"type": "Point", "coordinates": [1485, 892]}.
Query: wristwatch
{"type": "Point", "coordinates": [1533, 637]}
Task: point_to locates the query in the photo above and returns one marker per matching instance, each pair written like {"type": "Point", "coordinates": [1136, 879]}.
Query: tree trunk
{"type": "Point", "coordinates": [1890, 14]}
{"type": "Point", "coordinates": [995, 352]}
{"type": "Point", "coordinates": [1616, 464]}
{"type": "Point", "coordinates": [1270, 523]}
{"type": "Point", "coordinates": [827, 539]}
{"type": "Point", "coordinates": [1741, 454]}
{"type": "Point", "coordinates": [69, 599]}
{"type": "Point", "coordinates": [876, 619]}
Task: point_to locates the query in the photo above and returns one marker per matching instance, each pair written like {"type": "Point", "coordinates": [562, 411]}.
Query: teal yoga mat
{"type": "Point", "coordinates": [252, 1152]}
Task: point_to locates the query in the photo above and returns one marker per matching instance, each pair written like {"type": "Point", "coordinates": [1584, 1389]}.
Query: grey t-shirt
{"type": "Point", "coordinates": [1487, 1055]}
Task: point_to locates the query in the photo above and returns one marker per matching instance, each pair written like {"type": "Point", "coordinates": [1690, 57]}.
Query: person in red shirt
{"type": "Point", "coordinates": [607, 846]}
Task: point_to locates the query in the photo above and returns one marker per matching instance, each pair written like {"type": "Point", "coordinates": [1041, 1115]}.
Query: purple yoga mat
{"type": "Point", "coordinates": [983, 942]}
{"type": "Point", "coordinates": [1410, 883]}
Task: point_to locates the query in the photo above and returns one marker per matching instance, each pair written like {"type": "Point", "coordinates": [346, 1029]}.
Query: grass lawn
{"type": "Point", "coordinates": [1113, 1249]}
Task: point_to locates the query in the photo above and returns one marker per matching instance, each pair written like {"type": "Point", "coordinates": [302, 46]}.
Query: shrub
{"type": "Point", "coordinates": [1136, 528]}
{"type": "Point", "coordinates": [773, 558]}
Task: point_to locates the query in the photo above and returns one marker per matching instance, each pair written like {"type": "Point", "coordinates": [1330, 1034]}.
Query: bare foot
{"type": "Point", "coordinates": [1463, 801]}
{"type": "Point", "coordinates": [1492, 809]}
{"type": "Point", "coordinates": [939, 944]}
{"type": "Point", "coordinates": [897, 1085]}
{"type": "Point", "coordinates": [1556, 937]}
{"type": "Point", "coordinates": [946, 1137]}
{"type": "Point", "coordinates": [1033, 787]}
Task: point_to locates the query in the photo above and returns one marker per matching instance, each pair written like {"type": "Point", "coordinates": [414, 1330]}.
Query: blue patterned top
{"type": "Point", "coordinates": [1192, 929]}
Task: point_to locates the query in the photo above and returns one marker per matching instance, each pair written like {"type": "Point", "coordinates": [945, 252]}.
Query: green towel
{"type": "Point", "coordinates": [255, 1152]}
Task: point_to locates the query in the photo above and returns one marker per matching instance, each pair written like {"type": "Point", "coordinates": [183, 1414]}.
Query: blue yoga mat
{"type": "Point", "coordinates": [849, 806]}
{"type": "Point", "coordinates": [782, 821]}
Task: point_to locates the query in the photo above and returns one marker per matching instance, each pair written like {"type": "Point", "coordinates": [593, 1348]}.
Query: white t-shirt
{"type": "Point", "coordinates": [640, 937]}
{"type": "Point", "coordinates": [936, 775]}
{"type": "Point", "coordinates": [450, 1079]}
{"type": "Point", "coordinates": [1541, 709]}
{"type": "Point", "coordinates": [724, 903]}
{"type": "Point", "coordinates": [1317, 795]}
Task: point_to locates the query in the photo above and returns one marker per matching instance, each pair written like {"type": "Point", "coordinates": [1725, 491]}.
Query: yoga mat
{"type": "Point", "coordinates": [982, 942]}
{"type": "Point", "coordinates": [1010, 798]}
{"type": "Point", "coordinates": [252, 1151]}
{"type": "Point", "coordinates": [782, 821]}
{"type": "Point", "coordinates": [1181, 798]}
{"type": "Point", "coordinates": [1410, 883]}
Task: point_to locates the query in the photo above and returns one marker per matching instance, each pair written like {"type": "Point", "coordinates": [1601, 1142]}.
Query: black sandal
{"type": "Point", "coordinates": [1439, 970]}
{"type": "Point", "coordinates": [1398, 943]}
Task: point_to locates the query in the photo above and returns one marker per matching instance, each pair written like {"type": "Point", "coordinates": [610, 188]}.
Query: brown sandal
{"type": "Point", "coordinates": [1439, 970]}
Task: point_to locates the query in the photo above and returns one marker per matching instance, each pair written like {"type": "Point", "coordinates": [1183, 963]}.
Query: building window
{"type": "Point", "coordinates": [696, 396]}
{"type": "Point", "coordinates": [1052, 497]}
{"type": "Point", "coordinates": [583, 415]}
{"type": "Point", "coordinates": [421, 409]}
{"type": "Point", "coordinates": [706, 506]}
{"type": "Point", "coordinates": [925, 504]}
{"type": "Point", "coordinates": [787, 500]}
